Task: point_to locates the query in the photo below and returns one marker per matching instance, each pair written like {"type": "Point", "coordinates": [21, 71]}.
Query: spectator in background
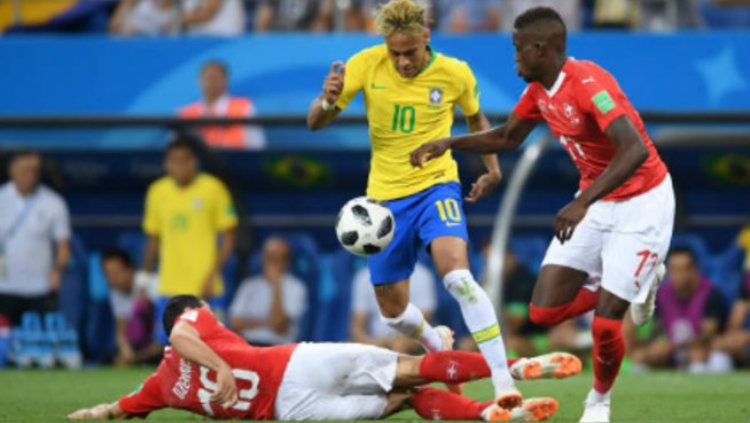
{"type": "Point", "coordinates": [212, 17]}
{"type": "Point", "coordinates": [571, 11]}
{"type": "Point", "coordinates": [295, 15]}
{"type": "Point", "coordinates": [734, 344]}
{"type": "Point", "coordinates": [366, 324]}
{"type": "Point", "coordinates": [743, 241]}
{"type": "Point", "coordinates": [217, 102]}
{"type": "Point", "coordinates": [34, 235]}
{"type": "Point", "coordinates": [133, 310]}
{"type": "Point", "coordinates": [692, 314]}
{"type": "Point", "coordinates": [186, 211]}
{"type": "Point", "coordinates": [145, 17]}
{"type": "Point", "coordinates": [669, 15]}
{"type": "Point", "coordinates": [267, 308]}
{"type": "Point", "coordinates": [467, 15]}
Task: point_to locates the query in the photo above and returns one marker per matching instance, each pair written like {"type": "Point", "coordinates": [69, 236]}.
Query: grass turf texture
{"type": "Point", "coordinates": [47, 396]}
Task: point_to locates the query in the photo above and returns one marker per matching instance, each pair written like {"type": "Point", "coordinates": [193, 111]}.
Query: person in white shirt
{"type": "Point", "coordinates": [133, 309]}
{"type": "Point", "coordinates": [34, 234]}
{"type": "Point", "coordinates": [145, 17]}
{"type": "Point", "coordinates": [367, 326]}
{"type": "Point", "coordinates": [267, 308]}
{"type": "Point", "coordinates": [213, 17]}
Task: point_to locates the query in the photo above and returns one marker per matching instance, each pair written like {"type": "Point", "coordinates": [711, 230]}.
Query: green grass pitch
{"type": "Point", "coordinates": [47, 396]}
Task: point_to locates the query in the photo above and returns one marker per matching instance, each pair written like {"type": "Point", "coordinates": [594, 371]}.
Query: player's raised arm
{"type": "Point", "coordinates": [323, 109]}
{"type": "Point", "coordinates": [506, 137]}
{"type": "Point", "coordinates": [630, 155]}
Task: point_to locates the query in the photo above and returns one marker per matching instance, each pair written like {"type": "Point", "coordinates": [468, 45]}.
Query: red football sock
{"type": "Point", "coordinates": [455, 366]}
{"type": "Point", "coordinates": [584, 301]}
{"type": "Point", "coordinates": [609, 349]}
{"type": "Point", "coordinates": [434, 404]}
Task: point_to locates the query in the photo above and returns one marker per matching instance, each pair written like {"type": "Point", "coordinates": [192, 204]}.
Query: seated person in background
{"type": "Point", "coordinates": [145, 17]}
{"type": "Point", "coordinates": [295, 15]}
{"type": "Point", "coordinates": [734, 344]}
{"type": "Point", "coordinates": [133, 310]}
{"type": "Point", "coordinates": [216, 103]}
{"type": "Point", "coordinates": [692, 314]}
{"type": "Point", "coordinates": [267, 308]}
{"type": "Point", "coordinates": [212, 17]}
{"type": "Point", "coordinates": [366, 325]}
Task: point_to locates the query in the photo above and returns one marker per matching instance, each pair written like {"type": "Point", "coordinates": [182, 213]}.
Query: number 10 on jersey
{"type": "Point", "coordinates": [403, 119]}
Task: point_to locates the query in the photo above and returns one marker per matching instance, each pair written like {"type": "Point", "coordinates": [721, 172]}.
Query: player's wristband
{"type": "Point", "coordinates": [326, 106]}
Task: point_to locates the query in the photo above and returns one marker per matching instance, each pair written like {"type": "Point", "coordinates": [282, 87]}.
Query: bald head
{"type": "Point", "coordinates": [539, 37]}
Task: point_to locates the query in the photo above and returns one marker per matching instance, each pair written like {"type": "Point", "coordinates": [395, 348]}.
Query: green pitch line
{"type": "Point", "coordinates": [47, 396]}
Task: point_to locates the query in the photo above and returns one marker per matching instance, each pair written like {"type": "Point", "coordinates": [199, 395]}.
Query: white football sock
{"type": "Point", "coordinates": [411, 323]}
{"type": "Point", "coordinates": [479, 316]}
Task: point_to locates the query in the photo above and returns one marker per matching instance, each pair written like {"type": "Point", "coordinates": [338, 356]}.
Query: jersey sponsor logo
{"type": "Point", "coordinates": [182, 386]}
{"type": "Point", "coordinates": [603, 101]}
{"type": "Point", "coordinates": [375, 86]}
{"type": "Point", "coordinates": [588, 80]}
{"type": "Point", "coordinates": [197, 203]}
{"type": "Point", "coordinates": [436, 96]}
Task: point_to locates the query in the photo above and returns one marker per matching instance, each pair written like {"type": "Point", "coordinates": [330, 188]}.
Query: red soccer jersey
{"type": "Point", "coordinates": [578, 108]}
{"type": "Point", "coordinates": [179, 383]}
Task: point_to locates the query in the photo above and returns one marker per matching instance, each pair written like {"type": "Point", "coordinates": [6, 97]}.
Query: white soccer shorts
{"type": "Point", "coordinates": [621, 241]}
{"type": "Point", "coordinates": [330, 381]}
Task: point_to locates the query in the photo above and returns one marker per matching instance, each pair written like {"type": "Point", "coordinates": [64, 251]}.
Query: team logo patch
{"type": "Point", "coordinates": [603, 101]}
{"type": "Point", "coordinates": [436, 96]}
{"type": "Point", "coordinates": [197, 203]}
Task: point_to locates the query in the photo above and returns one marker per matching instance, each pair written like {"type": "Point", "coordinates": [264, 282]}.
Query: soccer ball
{"type": "Point", "coordinates": [365, 226]}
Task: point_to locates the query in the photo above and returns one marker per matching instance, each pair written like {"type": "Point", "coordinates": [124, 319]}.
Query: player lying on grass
{"type": "Point", "coordinates": [212, 371]}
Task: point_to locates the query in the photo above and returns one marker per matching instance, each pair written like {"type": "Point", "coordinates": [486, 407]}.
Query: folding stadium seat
{"type": "Point", "coordinates": [337, 272]}
{"type": "Point", "coordinates": [725, 271]}
{"type": "Point", "coordinates": [133, 242]}
{"type": "Point", "coordinates": [696, 243]}
{"type": "Point", "coordinates": [74, 293]}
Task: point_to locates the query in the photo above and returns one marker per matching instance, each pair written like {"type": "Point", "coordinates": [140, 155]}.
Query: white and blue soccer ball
{"type": "Point", "coordinates": [365, 226]}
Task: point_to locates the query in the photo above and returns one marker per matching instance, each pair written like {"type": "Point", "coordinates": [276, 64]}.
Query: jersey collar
{"type": "Point", "coordinates": [558, 82]}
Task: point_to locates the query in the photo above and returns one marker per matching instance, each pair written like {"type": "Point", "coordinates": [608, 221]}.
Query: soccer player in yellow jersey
{"type": "Point", "coordinates": [410, 95]}
{"type": "Point", "coordinates": [186, 211]}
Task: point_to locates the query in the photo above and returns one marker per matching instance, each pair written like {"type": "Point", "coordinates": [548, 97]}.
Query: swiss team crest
{"type": "Point", "coordinates": [436, 96]}
{"type": "Point", "coordinates": [570, 113]}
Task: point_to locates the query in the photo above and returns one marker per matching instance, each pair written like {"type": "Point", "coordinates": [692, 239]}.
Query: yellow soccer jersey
{"type": "Point", "coordinates": [187, 222]}
{"type": "Point", "coordinates": [404, 113]}
{"type": "Point", "coordinates": [744, 242]}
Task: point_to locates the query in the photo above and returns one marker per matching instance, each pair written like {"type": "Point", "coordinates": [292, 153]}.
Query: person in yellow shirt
{"type": "Point", "coordinates": [410, 93]}
{"type": "Point", "coordinates": [185, 213]}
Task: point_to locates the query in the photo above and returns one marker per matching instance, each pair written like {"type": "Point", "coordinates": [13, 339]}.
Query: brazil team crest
{"type": "Point", "coordinates": [436, 96]}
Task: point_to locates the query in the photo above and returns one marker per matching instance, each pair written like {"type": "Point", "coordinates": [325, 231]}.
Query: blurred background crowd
{"type": "Point", "coordinates": [236, 17]}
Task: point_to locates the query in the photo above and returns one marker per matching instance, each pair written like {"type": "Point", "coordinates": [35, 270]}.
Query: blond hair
{"type": "Point", "coordinates": [400, 16]}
